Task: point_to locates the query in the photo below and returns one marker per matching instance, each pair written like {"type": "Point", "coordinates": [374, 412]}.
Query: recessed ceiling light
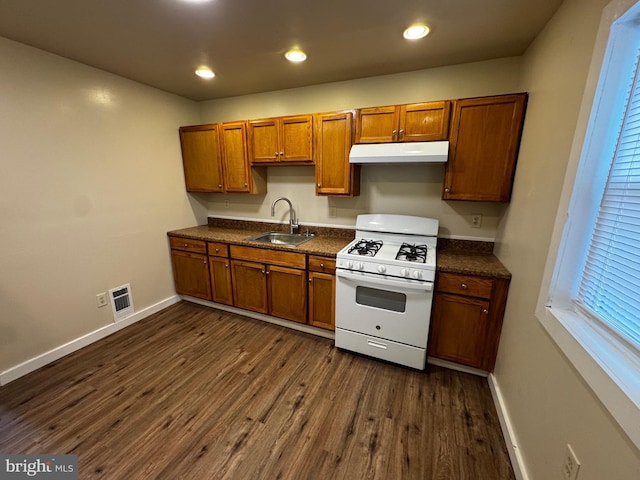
{"type": "Point", "coordinates": [205, 72]}
{"type": "Point", "coordinates": [416, 31]}
{"type": "Point", "coordinates": [295, 55]}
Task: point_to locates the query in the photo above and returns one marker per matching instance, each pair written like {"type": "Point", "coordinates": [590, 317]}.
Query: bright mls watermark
{"type": "Point", "coordinates": [49, 467]}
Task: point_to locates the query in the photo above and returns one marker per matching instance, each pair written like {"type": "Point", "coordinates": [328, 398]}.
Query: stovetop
{"type": "Point", "coordinates": [392, 245]}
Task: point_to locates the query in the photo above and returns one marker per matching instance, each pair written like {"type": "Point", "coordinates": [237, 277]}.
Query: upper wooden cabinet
{"type": "Point", "coordinates": [201, 158]}
{"type": "Point", "coordinates": [215, 159]}
{"type": "Point", "coordinates": [415, 122]}
{"type": "Point", "coordinates": [484, 141]}
{"type": "Point", "coordinates": [333, 134]}
{"type": "Point", "coordinates": [282, 140]}
{"type": "Point", "coordinates": [238, 176]}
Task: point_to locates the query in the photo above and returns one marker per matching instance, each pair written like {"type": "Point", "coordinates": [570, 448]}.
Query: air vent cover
{"type": "Point", "coordinates": [121, 301]}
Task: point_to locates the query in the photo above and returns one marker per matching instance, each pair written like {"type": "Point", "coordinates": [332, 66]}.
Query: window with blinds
{"type": "Point", "coordinates": [609, 288]}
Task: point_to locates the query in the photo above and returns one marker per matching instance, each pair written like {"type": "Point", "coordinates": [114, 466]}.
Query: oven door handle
{"type": "Point", "coordinates": [385, 281]}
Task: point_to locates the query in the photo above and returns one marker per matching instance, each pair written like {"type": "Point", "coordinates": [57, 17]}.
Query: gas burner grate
{"type": "Point", "coordinates": [366, 247]}
{"type": "Point", "coordinates": [412, 253]}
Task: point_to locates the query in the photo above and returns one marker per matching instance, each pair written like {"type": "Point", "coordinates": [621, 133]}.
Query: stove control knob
{"type": "Point", "coordinates": [349, 264]}
{"type": "Point", "coordinates": [404, 272]}
{"type": "Point", "coordinates": [416, 274]}
{"type": "Point", "coordinates": [360, 266]}
{"type": "Point", "coordinates": [382, 268]}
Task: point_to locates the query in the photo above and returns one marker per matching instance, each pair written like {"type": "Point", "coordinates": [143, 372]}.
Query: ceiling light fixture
{"type": "Point", "coordinates": [295, 55]}
{"type": "Point", "coordinates": [414, 32]}
{"type": "Point", "coordinates": [205, 72]}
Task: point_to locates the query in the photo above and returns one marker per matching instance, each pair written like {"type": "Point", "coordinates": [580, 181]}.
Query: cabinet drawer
{"type": "Point", "coordinates": [467, 285]}
{"type": "Point", "coordinates": [188, 245]}
{"type": "Point", "coordinates": [216, 249]}
{"type": "Point", "coordinates": [322, 264]}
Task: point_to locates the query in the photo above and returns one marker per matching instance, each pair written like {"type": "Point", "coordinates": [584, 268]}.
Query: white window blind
{"type": "Point", "coordinates": [610, 285]}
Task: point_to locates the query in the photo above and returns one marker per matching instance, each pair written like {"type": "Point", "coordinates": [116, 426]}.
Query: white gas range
{"type": "Point", "coordinates": [384, 288]}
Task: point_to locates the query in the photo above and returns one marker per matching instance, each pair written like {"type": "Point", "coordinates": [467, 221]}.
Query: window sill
{"type": "Point", "coordinates": [610, 368]}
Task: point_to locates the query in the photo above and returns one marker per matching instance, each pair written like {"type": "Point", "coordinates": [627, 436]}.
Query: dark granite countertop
{"type": "Point", "coordinates": [454, 256]}
{"type": "Point", "coordinates": [327, 242]}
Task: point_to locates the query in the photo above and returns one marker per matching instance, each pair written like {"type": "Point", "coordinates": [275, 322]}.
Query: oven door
{"type": "Point", "coordinates": [386, 307]}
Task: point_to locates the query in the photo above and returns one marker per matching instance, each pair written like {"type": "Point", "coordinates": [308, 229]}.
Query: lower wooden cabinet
{"type": "Point", "coordinates": [190, 268]}
{"type": "Point", "coordinates": [220, 272]}
{"type": "Point", "coordinates": [322, 292]}
{"type": "Point", "coordinates": [270, 281]}
{"type": "Point", "coordinates": [287, 293]}
{"type": "Point", "coordinates": [467, 319]}
{"type": "Point", "coordinates": [249, 286]}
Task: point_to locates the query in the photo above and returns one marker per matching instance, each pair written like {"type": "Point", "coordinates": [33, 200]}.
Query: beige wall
{"type": "Point", "coordinates": [547, 400]}
{"type": "Point", "coordinates": [411, 190]}
{"type": "Point", "coordinates": [90, 181]}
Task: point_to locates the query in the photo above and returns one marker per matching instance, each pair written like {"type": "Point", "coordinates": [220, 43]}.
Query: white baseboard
{"type": "Point", "coordinates": [456, 366]}
{"type": "Point", "coordinates": [301, 327]}
{"type": "Point", "coordinates": [41, 360]}
{"type": "Point", "coordinates": [508, 432]}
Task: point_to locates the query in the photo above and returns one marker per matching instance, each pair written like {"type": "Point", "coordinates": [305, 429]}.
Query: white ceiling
{"type": "Point", "coordinates": [161, 42]}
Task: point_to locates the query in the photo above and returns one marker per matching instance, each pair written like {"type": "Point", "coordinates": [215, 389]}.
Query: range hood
{"type": "Point", "coordinates": [400, 153]}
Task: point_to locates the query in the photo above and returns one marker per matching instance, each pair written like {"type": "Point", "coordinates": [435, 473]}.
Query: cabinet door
{"type": "Point", "coordinates": [221, 288]}
{"type": "Point", "coordinates": [484, 141]}
{"type": "Point", "coordinates": [201, 158]}
{"type": "Point", "coordinates": [424, 122]}
{"type": "Point", "coordinates": [322, 287]}
{"type": "Point", "coordinates": [296, 142]}
{"type": "Point", "coordinates": [191, 274]}
{"type": "Point", "coordinates": [459, 329]}
{"type": "Point", "coordinates": [263, 141]}
{"type": "Point", "coordinates": [377, 124]}
{"type": "Point", "coordinates": [234, 157]}
{"type": "Point", "coordinates": [249, 286]}
{"type": "Point", "coordinates": [287, 295]}
{"type": "Point", "coordinates": [334, 174]}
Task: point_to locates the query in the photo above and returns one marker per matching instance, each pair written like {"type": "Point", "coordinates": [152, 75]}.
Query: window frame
{"type": "Point", "coordinates": [608, 365]}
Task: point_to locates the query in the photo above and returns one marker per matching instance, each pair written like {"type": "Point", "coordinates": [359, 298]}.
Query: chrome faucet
{"type": "Point", "coordinates": [293, 224]}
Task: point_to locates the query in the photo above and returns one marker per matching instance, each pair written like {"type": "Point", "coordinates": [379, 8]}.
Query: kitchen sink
{"type": "Point", "coordinates": [281, 238]}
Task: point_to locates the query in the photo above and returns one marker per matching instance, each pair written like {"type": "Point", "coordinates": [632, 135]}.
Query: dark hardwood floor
{"type": "Point", "coordinates": [197, 393]}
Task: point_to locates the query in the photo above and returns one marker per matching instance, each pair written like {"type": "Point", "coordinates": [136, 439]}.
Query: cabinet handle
{"type": "Point", "coordinates": [310, 280]}
{"type": "Point", "coordinates": [322, 265]}
{"type": "Point", "coordinates": [219, 186]}
{"type": "Point", "coordinates": [217, 250]}
{"type": "Point", "coordinates": [401, 132]}
{"type": "Point", "coordinates": [319, 185]}
{"type": "Point", "coordinates": [485, 311]}
{"type": "Point", "coordinates": [464, 286]}
{"type": "Point", "coordinates": [267, 272]}
{"type": "Point", "coordinates": [275, 154]}
{"type": "Point", "coordinates": [281, 154]}
{"type": "Point", "coordinates": [186, 244]}
{"type": "Point", "coordinates": [205, 262]}
{"type": "Point", "coordinates": [263, 272]}
{"type": "Point", "coordinates": [446, 189]}
{"type": "Point", "coordinates": [245, 185]}
{"type": "Point", "coordinates": [394, 132]}
{"type": "Point", "coordinates": [226, 265]}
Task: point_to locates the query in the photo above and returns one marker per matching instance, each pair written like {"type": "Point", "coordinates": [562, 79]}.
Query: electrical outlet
{"type": "Point", "coordinates": [476, 221]}
{"type": "Point", "coordinates": [101, 300]}
{"type": "Point", "coordinates": [571, 464]}
{"type": "Point", "coordinates": [226, 204]}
